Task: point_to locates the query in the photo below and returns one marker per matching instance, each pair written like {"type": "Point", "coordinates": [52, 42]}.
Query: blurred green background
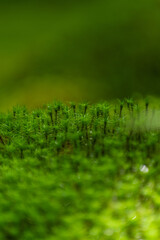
{"type": "Point", "coordinates": [78, 50]}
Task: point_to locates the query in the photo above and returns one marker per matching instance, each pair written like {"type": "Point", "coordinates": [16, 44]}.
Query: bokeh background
{"type": "Point", "coordinates": [78, 50]}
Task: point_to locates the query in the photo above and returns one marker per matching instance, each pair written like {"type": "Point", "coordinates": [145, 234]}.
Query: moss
{"type": "Point", "coordinates": [80, 171]}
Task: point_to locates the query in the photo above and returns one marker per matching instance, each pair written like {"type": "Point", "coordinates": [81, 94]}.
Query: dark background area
{"type": "Point", "coordinates": [78, 50]}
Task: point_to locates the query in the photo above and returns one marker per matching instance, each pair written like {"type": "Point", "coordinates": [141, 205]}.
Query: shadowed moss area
{"type": "Point", "coordinates": [80, 171]}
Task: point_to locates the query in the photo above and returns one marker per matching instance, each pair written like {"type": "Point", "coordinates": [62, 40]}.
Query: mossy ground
{"type": "Point", "coordinates": [80, 171]}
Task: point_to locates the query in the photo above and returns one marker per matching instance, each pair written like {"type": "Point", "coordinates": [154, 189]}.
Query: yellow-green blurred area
{"type": "Point", "coordinates": [78, 50]}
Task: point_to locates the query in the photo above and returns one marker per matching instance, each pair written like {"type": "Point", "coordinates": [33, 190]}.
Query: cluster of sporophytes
{"type": "Point", "coordinates": [80, 171]}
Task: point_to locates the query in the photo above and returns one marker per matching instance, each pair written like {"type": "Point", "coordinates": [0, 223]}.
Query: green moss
{"type": "Point", "coordinates": [80, 171]}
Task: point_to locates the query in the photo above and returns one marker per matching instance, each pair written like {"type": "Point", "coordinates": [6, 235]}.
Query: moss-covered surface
{"type": "Point", "coordinates": [80, 172]}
